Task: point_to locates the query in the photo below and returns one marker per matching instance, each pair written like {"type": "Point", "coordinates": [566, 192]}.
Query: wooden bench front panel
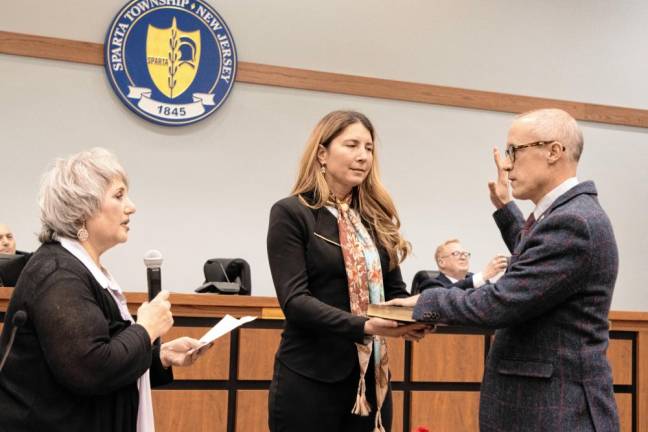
{"type": "Point", "coordinates": [257, 349]}
{"type": "Point", "coordinates": [445, 411]}
{"type": "Point", "coordinates": [213, 365]}
{"type": "Point", "coordinates": [190, 410]}
{"type": "Point", "coordinates": [251, 410]}
{"type": "Point", "coordinates": [448, 358]}
{"type": "Point", "coordinates": [620, 358]}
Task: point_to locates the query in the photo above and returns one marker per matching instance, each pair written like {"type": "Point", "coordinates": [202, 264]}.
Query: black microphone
{"type": "Point", "coordinates": [153, 262]}
{"type": "Point", "coordinates": [19, 320]}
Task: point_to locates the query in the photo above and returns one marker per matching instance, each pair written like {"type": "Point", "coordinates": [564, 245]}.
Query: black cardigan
{"type": "Point", "coordinates": [309, 276]}
{"type": "Point", "coordinates": [75, 363]}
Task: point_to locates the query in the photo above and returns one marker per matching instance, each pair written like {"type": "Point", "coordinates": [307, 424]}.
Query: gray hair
{"type": "Point", "coordinates": [556, 124]}
{"type": "Point", "coordinates": [72, 191]}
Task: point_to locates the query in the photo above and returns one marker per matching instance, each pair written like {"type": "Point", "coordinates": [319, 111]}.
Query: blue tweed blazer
{"type": "Point", "coordinates": [547, 368]}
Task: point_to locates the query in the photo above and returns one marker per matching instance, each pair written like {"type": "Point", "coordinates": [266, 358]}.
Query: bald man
{"type": "Point", "coordinates": [7, 240]}
{"type": "Point", "coordinates": [547, 368]}
{"type": "Point", "coordinates": [11, 268]}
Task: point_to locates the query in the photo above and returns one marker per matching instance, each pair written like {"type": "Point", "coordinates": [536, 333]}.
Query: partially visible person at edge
{"type": "Point", "coordinates": [9, 272]}
{"type": "Point", "coordinates": [80, 362]}
{"type": "Point", "coordinates": [7, 240]}
{"type": "Point", "coordinates": [334, 247]}
{"type": "Point", "coordinates": [547, 369]}
{"type": "Point", "coordinates": [453, 262]}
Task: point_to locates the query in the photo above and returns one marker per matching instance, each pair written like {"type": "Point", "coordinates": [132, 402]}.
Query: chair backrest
{"type": "Point", "coordinates": [11, 266]}
{"type": "Point", "coordinates": [229, 270]}
{"type": "Point", "coordinates": [420, 277]}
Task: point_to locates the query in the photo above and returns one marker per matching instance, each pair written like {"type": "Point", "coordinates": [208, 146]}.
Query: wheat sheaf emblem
{"type": "Point", "coordinates": [175, 56]}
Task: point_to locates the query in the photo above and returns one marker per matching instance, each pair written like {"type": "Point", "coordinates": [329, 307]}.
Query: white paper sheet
{"type": "Point", "coordinates": [224, 326]}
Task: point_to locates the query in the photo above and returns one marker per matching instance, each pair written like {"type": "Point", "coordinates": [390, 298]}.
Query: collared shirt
{"type": "Point", "coordinates": [145, 421]}
{"type": "Point", "coordinates": [477, 279]}
{"type": "Point", "coordinates": [547, 200]}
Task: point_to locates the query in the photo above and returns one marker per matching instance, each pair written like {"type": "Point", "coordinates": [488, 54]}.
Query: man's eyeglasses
{"type": "Point", "coordinates": [510, 150]}
{"type": "Point", "coordinates": [457, 254]}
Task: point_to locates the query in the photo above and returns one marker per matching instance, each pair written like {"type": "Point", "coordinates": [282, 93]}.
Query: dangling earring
{"type": "Point", "coordinates": [323, 169]}
{"type": "Point", "coordinates": [82, 234]}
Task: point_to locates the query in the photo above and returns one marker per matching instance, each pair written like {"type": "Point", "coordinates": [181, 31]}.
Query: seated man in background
{"type": "Point", "coordinates": [7, 240]}
{"type": "Point", "coordinates": [453, 262]}
{"type": "Point", "coordinates": [10, 266]}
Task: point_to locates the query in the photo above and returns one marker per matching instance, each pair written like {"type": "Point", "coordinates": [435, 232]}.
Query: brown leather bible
{"type": "Point", "coordinates": [396, 313]}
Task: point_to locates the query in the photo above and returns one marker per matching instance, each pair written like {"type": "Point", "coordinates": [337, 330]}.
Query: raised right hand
{"type": "Point", "coordinates": [500, 195]}
{"type": "Point", "coordinates": [155, 316]}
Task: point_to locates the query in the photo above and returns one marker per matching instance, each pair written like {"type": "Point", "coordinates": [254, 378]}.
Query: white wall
{"type": "Point", "coordinates": [205, 190]}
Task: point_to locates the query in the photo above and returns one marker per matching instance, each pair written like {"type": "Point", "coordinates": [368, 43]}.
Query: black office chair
{"type": "Point", "coordinates": [11, 266]}
{"type": "Point", "coordinates": [420, 277]}
{"type": "Point", "coordinates": [226, 276]}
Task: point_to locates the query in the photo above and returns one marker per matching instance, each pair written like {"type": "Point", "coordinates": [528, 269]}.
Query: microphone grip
{"type": "Point", "coordinates": [154, 282]}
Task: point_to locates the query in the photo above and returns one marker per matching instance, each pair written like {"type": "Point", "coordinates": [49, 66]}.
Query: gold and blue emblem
{"type": "Point", "coordinates": [172, 62]}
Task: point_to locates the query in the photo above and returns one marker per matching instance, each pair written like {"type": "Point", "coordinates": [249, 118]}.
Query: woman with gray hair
{"type": "Point", "coordinates": [80, 362]}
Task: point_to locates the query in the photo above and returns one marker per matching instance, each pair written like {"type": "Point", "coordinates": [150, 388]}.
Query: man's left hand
{"type": "Point", "coordinates": [408, 301]}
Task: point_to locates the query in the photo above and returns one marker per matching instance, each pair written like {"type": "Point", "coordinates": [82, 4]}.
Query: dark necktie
{"type": "Point", "coordinates": [527, 226]}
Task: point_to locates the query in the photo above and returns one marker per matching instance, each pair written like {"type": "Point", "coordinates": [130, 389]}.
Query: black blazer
{"type": "Point", "coordinates": [308, 271]}
{"type": "Point", "coordinates": [75, 363]}
{"type": "Point", "coordinates": [442, 281]}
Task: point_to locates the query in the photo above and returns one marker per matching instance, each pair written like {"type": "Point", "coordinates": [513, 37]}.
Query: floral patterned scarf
{"type": "Point", "coordinates": [364, 275]}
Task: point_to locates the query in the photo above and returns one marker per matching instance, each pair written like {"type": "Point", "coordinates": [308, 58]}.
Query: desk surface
{"type": "Point", "coordinates": [213, 305]}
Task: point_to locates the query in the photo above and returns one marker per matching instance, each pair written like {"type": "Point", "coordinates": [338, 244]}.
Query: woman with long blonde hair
{"type": "Point", "coordinates": [334, 246]}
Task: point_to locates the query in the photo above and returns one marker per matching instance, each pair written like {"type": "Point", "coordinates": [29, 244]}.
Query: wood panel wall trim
{"type": "Point", "coordinates": [51, 48]}
{"type": "Point", "coordinates": [303, 79]}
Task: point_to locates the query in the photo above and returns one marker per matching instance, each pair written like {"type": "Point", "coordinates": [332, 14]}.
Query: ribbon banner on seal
{"type": "Point", "coordinates": [167, 110]}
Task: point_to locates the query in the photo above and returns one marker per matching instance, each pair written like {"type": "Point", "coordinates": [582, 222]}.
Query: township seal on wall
{"type": "Point", "coordinates": [173, 62]}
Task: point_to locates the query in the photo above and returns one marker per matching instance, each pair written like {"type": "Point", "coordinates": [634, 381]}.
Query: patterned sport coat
{"type": "Point", "coordinates": [547, 368]}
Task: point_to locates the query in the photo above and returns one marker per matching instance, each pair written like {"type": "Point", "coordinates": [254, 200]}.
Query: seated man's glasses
{"type": "Point", "coordinates": [457, 254]}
